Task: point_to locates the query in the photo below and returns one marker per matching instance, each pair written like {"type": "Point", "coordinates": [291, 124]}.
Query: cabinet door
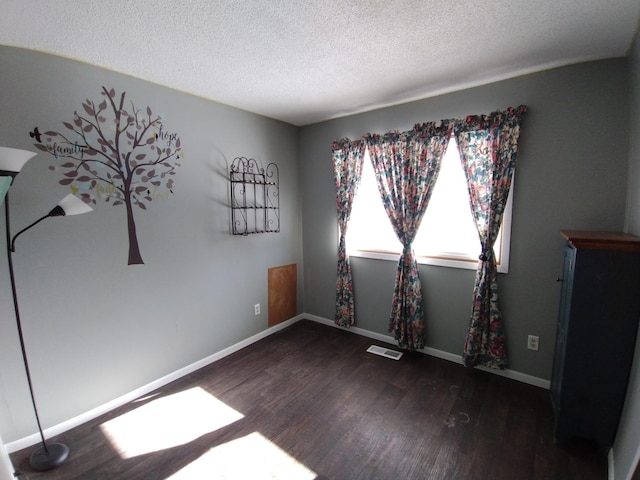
{"type": "Point", "coordinates": [597, 328]}
{"type": "Point", "coordinates": [562, 326]}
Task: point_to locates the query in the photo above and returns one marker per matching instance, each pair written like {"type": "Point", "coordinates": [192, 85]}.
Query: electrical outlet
{"type": "Point", "coordinates": [256, 308]}
{"type": "Point", "coordinates": [532, 342]}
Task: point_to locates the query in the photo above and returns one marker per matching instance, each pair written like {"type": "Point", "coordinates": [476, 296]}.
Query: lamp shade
{"type": "Point", "coordinates": [72, 205]}
{"type": "Point", "coordinates": [13, 159]}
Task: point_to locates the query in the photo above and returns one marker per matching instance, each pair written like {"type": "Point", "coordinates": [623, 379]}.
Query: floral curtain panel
{"type": "Point", "coordinates": [488, 147]}
{"type": "Point", "coordinates": [406, 166]}
{"type": "Point", "coordinates": [347, 165]}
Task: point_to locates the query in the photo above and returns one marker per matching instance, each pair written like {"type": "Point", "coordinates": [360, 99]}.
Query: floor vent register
{"type": "Point", "coordinates": [384, 352]}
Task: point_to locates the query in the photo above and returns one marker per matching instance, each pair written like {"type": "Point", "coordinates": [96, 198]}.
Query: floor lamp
{"type": "Point", "coordinates": [51, 455]}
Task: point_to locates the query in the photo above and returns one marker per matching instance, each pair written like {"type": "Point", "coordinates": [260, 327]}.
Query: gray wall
{"type": "Point", "coordinates": [571, 174]}
{"type": "Point", "coordinates": [627, 446]}
{"type": "Point", "coordinates": [95, 327]}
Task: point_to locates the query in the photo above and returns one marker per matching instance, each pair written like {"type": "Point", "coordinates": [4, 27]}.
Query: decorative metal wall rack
{"type": "Point", "coordinates": [255, 197]}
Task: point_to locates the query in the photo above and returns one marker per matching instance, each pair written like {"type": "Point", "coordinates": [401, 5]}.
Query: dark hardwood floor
{"type": "Point", "coordinates": [310, 402]}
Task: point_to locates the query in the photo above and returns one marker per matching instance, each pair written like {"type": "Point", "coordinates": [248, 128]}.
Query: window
{"type": "Point", "coordinates": [447, 235]}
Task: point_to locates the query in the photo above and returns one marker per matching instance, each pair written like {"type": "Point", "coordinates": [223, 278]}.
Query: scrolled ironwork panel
{"type": "Point", "coordinates": [255, 197]}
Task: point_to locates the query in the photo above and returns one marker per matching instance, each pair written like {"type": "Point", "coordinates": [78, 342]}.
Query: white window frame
{"type": "Point", "coordinates": [449, 259]}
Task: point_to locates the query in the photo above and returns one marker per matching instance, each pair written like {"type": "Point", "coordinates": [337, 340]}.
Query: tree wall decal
{"type": "Point", "coordinates": [115, 152]}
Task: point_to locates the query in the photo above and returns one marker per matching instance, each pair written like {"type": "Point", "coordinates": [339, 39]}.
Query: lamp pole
{"type": "Point", "coordinates": [50, 456]}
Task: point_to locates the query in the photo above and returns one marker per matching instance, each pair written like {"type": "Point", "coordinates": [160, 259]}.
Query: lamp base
{"type": "Point", "coordinates": [54, 456]}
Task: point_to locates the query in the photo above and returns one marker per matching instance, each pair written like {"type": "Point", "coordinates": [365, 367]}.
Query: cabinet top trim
{"type": "Point", "coordinates": [602, 240]}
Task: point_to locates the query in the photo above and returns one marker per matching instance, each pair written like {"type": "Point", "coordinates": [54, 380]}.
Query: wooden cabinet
{"type": "Point", "coordinates": [596, 334]}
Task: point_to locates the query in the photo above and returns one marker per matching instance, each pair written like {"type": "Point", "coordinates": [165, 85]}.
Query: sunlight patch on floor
{"type": "Point", "coordinates": [253, 456]}
{"type": "Point", "coordinates": [167, 422]}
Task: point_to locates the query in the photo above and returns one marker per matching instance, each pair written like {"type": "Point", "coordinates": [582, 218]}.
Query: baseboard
{"type": "Point", "coordinates": [512, 374]}
{"type": "Point", "coordinates": [611, 474]}
{"type": "Point", "coordinates": [144, 390]}
{"type": "Point", "coordinates": [150, 387]}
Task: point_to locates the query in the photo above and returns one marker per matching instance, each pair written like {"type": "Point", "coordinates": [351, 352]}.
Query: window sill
{"type": "Point", "coordinates": [450, 262]}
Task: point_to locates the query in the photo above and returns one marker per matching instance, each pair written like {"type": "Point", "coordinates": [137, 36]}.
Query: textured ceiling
{"type": "Point", "coordinates": [304, 61]}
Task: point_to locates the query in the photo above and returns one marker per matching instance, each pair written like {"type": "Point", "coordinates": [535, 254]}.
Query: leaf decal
{"type": "Point", "coordinates": [88, 109]}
